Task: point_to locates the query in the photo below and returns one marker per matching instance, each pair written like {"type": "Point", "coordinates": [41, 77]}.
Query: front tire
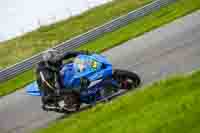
{"type": "Point", "coordinates": [127, 80]}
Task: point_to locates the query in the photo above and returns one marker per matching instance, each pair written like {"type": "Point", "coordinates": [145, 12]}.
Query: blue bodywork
{"type": "Point", "coordinates": [94, 67]}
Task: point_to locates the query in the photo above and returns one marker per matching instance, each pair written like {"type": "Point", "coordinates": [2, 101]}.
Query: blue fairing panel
{"type": "Point", "coordinates": [67, 74]}
{"type": "Point", "coordinates": [86, 66]}
{"type": "Point", "coordinates": [33, 89]}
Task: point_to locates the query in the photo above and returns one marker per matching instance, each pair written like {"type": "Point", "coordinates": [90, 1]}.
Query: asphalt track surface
{"type": "Point", "coordinates": [172, 49]}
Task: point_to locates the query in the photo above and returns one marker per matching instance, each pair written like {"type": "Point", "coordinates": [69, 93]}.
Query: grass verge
{"type": "Point", "coordinates": [48, 36]}
{"type": "Point", "coordinates": [16, 83]}
{"type": "Point", "coordinates": [134, 29]}
{"type": "Point", "coordinates": [167, 106]}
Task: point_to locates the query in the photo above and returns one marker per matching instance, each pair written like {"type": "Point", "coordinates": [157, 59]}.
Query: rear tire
{"type": "Point", "coordinates": [127, 80]}
{"type": "Point", "coordinates": [72, 102]}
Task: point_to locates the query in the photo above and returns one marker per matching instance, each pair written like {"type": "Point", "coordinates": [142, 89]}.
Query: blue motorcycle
{"type": "Point", "coordinates": [88, 79]}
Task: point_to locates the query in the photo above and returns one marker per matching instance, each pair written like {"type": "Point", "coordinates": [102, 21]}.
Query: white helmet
{"type": "Point", "coordinates": [50, 55]}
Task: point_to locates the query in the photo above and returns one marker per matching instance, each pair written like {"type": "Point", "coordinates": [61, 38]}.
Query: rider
{"type": "Point", "coordinates": [47, 72]}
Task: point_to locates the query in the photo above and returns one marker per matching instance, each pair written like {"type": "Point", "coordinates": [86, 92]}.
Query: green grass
{"type": "Point", "coordinates": [16, 83]}
{"type": "Point", "coordinates": [20, 48]}
{"type": "Point", "coordinates": [134, 29]}
{"type": "Point", "coordinates": [167, 106]}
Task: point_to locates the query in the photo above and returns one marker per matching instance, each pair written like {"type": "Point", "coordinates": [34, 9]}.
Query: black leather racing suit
{"type": "Point", "coordinates": [48, 78]}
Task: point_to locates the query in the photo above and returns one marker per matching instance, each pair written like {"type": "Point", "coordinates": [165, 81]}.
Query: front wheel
{"type": "Point", "coordinates": [126, 79]}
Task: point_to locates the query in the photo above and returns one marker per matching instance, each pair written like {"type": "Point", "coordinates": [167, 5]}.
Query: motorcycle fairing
{"type": "Point", "coordinates": [33, 89]}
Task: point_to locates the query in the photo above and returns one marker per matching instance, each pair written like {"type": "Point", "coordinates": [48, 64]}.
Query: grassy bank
{"type": "Point", "coordinates": [16, 83]}
{"type": "Point", "coordinates": [167, 106]}
{"type": "Point", "coordinates": [134, 29]}
{"type": "Point", "coordinates": [48, 36]}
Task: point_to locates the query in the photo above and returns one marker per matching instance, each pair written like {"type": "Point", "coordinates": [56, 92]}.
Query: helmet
{"type": "Point", "coordinates": [51, 55]}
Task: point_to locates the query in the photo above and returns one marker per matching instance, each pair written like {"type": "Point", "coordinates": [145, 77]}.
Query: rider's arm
{"type": "Point", "coordinates": [43, 75]}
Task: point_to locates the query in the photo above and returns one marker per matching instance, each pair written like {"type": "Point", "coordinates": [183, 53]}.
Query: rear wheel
{"type": "Point", "coordinates": [127, 80]}
{"type": "Point", "coordinates": [71, 101]}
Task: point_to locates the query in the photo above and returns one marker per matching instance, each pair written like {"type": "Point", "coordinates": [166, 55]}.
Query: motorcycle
{"type": "Point", "coordinates": [88, 79]}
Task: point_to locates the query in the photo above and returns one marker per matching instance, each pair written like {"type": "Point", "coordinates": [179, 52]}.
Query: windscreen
{"type": "Point", "coordinates": [85, 63]}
